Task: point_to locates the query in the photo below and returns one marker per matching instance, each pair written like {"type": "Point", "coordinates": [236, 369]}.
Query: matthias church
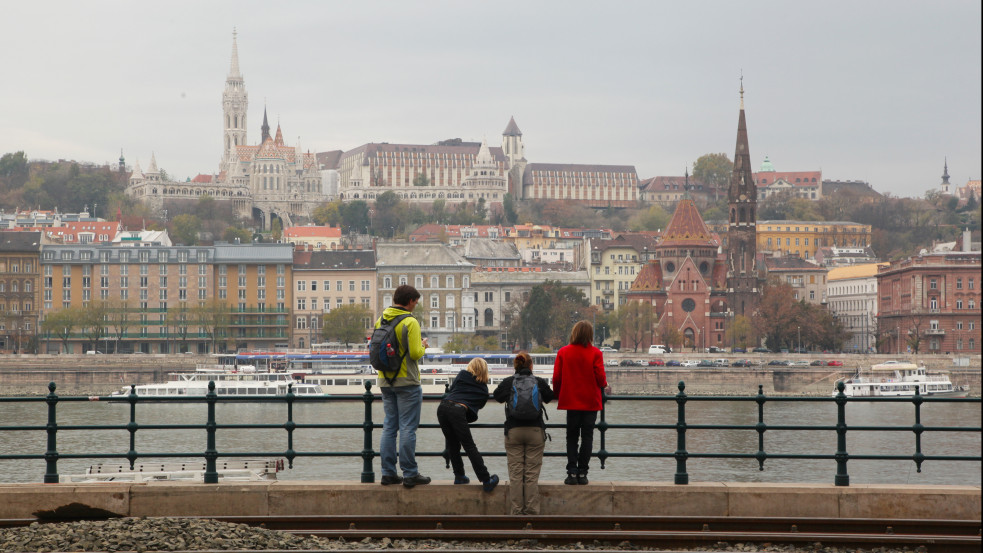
{"type": "Point", "coordinates": [265, 180]}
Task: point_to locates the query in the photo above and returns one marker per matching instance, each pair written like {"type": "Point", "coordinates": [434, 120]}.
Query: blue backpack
{"type": "Point", "coordinates": [524, 403]}
{"type": "Point", "coordinates": [384, 351]}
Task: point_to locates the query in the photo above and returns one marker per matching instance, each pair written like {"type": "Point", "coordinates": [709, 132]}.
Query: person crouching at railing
{"type": "Point", "coordinates": [467, 395]}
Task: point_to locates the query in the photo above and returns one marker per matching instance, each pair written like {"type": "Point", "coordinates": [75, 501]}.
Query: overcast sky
{"type": "Point", "coordinates": [878, 91]}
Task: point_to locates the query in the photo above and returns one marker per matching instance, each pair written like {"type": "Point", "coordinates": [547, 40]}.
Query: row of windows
{"type": "Point", "coordinates": [387, 281]}
{"type": "Point", "coordinates": [163, 256]}
{"type": "Point", "coordinates": [326, 285]}
{"type": "Point", "coordinates": [326, 303]}
{"type": "Point", "coordinates": [933, 283]}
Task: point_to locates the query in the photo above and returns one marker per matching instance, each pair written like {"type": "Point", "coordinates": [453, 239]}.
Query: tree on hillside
{"type": "Point", "coordinates": [347, 324]}
{"type": "Point", "coordinates": [654, 218]}
{"type": "Point", "coordinates": [13, 170]}
{"type": "Point", "coordinates": [328, 213]}
{"type": "Point", "coordinates": [185, 229]}
{"type": "Point", "coordinates": [714, 170]}
{"type": "Point", "coordinates": [508, 209]}
{"type": "Point", "coordinates": [386, 221]}
{"type": "Point", "coordinates": [420, 179]}
{"type": "Point", "coordinates": [235, 235]}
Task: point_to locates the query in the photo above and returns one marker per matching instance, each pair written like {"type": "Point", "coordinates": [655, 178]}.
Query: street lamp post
{"type": "Point", "coordinates": [798, 332]}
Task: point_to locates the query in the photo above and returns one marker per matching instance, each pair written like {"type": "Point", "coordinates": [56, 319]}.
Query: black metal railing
{"type": "Point", "coordinates": [841, 456]}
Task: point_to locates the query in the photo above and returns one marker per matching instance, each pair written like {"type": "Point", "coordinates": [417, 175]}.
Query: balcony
{"type": "Point", "coordinates": [608, 292]}
{"type": "Point", "coordinates": [935, 332]}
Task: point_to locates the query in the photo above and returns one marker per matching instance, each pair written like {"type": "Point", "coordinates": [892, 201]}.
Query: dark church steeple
{"type": "Point", "coordinates": [743, 282]}
{"type": "Point", "coordinates": [266, 127]}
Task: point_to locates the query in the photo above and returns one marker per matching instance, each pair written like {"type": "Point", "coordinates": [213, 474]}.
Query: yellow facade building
{"type": "Point", "coordinates": [804, 238]}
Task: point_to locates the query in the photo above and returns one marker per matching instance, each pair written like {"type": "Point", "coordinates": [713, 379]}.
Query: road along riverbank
{"type": "Point", "coordinates": [103, 374]}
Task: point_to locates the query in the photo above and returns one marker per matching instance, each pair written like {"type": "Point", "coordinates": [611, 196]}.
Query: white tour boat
{"type": "Point", "coordinates": [894, 379]}
{"type": "Point", "coordinates": [243, 380]}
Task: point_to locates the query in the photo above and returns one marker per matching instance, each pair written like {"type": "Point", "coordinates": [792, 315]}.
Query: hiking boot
{"type": "Point", "coordinates": [582, 479]}
{"type": "Point", "coordinates": [389, 480]}
{"type": "Point", "coordinates": [489, 485]}
{"type": "Point", "coordinates": [571, 480]}
{"type": "Point", "coordinates": [461, 479]}
{"type": "Point", "coordinates": [418, 480]}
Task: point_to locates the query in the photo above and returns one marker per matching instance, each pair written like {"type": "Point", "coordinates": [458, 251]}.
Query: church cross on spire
{"type": "Point", "coordinates": [742, 89]}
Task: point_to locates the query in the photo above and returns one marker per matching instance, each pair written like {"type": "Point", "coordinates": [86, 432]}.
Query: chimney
{"type": "Point", "coordinates": [967, 241]}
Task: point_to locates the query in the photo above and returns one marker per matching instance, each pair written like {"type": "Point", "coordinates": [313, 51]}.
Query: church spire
{"type": "Point", "coordinates": [234, 66]}
{"type": "Point", "coordinates": [945, 172]}
{"type": "Point", "coordinates": [266, 127]}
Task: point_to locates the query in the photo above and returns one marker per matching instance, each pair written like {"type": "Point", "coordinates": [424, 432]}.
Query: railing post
{"type": "Point", "coordinates": [602, 427]}
{"type": "Point", "coordinates": [918, 457]}
{"type": "Point", "coordinates": [290, 426]}
{"type": "Point", "coordinates": [211, 472]}
{"type": "Point", "coordinates": [681, 455]}
{"type": "Point", "coordinates": [761, 427]}
{"type": "Point", "coordinates": [51, 454]}
{"type": "Point", "coordinates": [132, 426]}
{"type": "Point", "coordinates": [368, 475]}
{"type": "Point", "coordinates": [841, 456]}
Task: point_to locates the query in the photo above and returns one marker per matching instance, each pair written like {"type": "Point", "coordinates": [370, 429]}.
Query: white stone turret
{"type": "Point", "coordinates": [235, 102]}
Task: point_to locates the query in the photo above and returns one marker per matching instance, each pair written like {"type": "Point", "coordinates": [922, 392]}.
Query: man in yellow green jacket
{"type": "Point", "coordinates": [402, 400]}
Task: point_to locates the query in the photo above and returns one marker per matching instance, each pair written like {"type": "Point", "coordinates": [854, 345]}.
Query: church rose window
{"type": "Point", "coordinates": [688, 305]}
{"type": "Point", "coordinates": [670, 267]}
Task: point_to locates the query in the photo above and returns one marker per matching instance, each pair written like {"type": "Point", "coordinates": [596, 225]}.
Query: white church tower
{"type": "Point", "coordinates": [235, 101]}
{"type": "Point", "coordinates": [514, 150]}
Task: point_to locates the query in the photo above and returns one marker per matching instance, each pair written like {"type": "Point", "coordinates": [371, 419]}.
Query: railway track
{"type": "Point", "coordinates": [612, 532]}
{"type": "Point", "coordinates": [641, 531]}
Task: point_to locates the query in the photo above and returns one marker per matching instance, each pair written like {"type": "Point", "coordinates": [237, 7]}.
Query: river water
{"type": "Point", "coordinates": [490, 440]}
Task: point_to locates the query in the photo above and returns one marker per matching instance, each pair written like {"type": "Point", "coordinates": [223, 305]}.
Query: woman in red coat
{"type": "Point", "coordinates": [578, 378]}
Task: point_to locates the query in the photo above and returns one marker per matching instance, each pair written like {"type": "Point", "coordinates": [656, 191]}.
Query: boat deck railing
{"type": "Point", "coordinates": [211, 428]}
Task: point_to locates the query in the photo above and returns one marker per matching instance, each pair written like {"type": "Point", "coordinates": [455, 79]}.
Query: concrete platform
{"type": "Point", "coordinates": [442, 497]}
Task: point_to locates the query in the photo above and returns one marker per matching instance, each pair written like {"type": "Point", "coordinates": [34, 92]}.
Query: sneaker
{"type": "Point", "coordinates": [389, 480]}
{"type": "Point", "coordinates": [582, 479]}
{"type": "Point", "coordinates": [571, 480]}
{"type": "Point", "coordinates": [461, 479]}
{"type": "Point", "coordinates": [418, 480]}
{"type": "Point", "coordinates": [489, 485]}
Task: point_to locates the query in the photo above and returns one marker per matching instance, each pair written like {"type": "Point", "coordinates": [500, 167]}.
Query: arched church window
{"type": "Point", "coordinates": [704, 267]}
{"type": "Point", "coordinates": [670, 267]}
{"type": "Point", "coordinates": [732, 211]}
{"type": "Point", "coordinates": [489, 317]}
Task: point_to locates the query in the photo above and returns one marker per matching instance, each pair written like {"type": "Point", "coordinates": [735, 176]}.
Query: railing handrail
{"type": "Point", "coordinates": [681, 455]}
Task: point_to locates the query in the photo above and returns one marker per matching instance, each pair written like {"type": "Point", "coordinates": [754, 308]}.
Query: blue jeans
{"type": "Point", "coordinates": [402, 406]}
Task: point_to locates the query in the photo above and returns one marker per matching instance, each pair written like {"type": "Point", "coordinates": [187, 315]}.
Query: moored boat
{"type": "Point", "coordinates": [894, 379]}
{"type": "Point", "coordinates": [243, 380]}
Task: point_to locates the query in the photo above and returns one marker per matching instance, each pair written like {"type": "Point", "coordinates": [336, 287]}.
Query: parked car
{"type": "Point", "coordinates": [738, 350]}
{"type": "Point", "coordinates": [607, 349]}
{"type": "Point", "coordinates": [706, 363]}
{"type": "Point", "coordinates": [761, 350]}
{"type": "Point", "coordinates": [834, 363]}
{"type": "Point", "coordinates": [715, 349]}
{"type": "Point", "coordinates": [817, 363]}
{"type": "Point", "coordinates": [689, 363]}
{"type": "Point", "coordinates": [741, 363]}
{"type": "Point", "coordinates": [778, 363]}
{"type": "Point", "coordinates": [658, 349]}
{"type": "Point", "coordinates": [799, 363]}
{"type": "Point", "coordinates": [656, 363]}
{"type": "Point", "coordinates": [628, 363]}
{"type": "Point", "coordinates": [673, 363]}
{"type": "Point", "coordinates": [611, 362]}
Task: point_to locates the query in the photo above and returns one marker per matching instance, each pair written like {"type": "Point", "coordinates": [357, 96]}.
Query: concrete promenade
{"type": "Point", "coordinates": [284, 498]}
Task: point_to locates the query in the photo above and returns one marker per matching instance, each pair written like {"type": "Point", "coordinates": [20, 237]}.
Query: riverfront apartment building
{"type": "Point", "coordinates": [326, 280]}
{"type": "Point", "coordinates": [443, 279]}
{"type": "Point", "coordinates": [804, 238]}
{"type": "Point", "coordinates": [20, 285]}
{"type": "Point", "coordinates": [614, 265]}
{"type": "Point", "coordinates": [851, 296]}
{"type": "Point", "coordinates": [808, 280]}
{"type": "Point", "coordinates": [166, 299]}
{"type": "Point", "coordinates": [932, 300]}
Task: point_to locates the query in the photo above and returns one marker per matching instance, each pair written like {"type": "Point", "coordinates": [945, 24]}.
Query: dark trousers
{"type": "Point", "coordinates": [580, 427]}
{"type": "Point", "coordinates": [453, 419]}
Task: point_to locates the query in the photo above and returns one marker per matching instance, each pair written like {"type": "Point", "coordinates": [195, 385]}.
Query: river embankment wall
{"type": "Point", "coordinates": [103, 374]}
